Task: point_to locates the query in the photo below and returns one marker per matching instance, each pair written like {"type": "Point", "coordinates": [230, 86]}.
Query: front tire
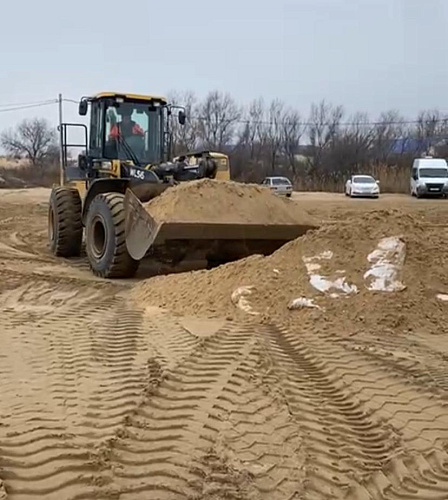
{"type": "Point", "coordinates": [65, 222]}
{"type": "Point", "coordinates": [106, 238]}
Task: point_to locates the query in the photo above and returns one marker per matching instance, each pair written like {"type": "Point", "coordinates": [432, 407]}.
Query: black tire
{"type": "Point", "coordinates": [106, 240]}
{"type": "Point", "coordinates": [288, 195]}
{"type": "Point", "coordinates": [65, 222]}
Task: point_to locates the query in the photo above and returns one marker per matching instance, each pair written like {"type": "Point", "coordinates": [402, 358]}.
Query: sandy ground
{"type": "Point", "coordinates": [106, 397]}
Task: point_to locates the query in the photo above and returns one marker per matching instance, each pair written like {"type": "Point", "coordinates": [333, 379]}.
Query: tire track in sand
{"type": "Point", "coordinates": [158, 452]}
{"type": "Point", "coordinates": [102, 400]}
{"type": "Point", "coordinates": [72, 372]}
{"type": "Point", "coordinates": [205, 430]}
{"type": "Point", "coordinates": [42, 453]}
{"type": "Point", "coordinates": [417, 422]}
{"type": "Point", "coordinates": [341, 441]}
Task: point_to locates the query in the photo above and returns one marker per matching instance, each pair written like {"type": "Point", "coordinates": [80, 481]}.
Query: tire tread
{"type": "Point", "coordinates": [121, 265]}
{"type": "Point", "coordinates": [67, 215]}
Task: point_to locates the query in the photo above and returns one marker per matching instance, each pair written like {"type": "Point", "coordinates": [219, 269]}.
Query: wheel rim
{"type": "Point", "coordinates": [98, 237]}
{"type": "Point", "coordinates": [51, 222]}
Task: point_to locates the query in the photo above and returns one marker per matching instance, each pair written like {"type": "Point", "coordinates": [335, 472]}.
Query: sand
{"type": "Point", "coordinates": [225, 201]}
{"type": "Point", "coordinates": [106, 395]}
{"type": "Point", "coordinates": [278, 279]}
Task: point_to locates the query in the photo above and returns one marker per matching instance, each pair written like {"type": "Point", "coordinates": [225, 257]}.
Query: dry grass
{"type": "Point", "coordinates": [29, 176]}
{"type": "Point", "coordinates": [392, 180]}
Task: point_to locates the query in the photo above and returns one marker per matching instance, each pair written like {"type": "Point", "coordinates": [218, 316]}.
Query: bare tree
{"type": "Point", "coordinates": [431, 130]}
{"type": "Point", "coordinates": [388, 130]}
{"type": "Point", "coordinates": [324, 122]}
{"type": "Point", "coordinates": [218, 118]}
{"type": "Point", "coordinates": [185, 137]}
{"type": "Point", "coordinates": [249, 137]}
{"type": "Point", "coordinates": [271, 133]}
{"type": "Point", "coordinates": [32, 139]}
{"type": "Point", "coordinates": [292, 132]}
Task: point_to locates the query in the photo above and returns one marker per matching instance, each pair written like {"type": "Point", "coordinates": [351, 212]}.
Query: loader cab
{"type": "Point", "coordinates": [128, 128]}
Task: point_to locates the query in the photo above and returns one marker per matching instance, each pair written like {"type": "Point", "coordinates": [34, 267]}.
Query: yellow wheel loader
{"type": "Point", "coordinates": [124, 164]}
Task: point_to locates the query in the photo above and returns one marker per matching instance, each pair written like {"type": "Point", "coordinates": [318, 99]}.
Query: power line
{"type": "Point", "coordinates": [29, 103]}
{"type": "Point", "coordinates": [27, 106]}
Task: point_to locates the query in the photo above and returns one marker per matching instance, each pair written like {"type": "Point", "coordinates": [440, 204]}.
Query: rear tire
{"type": "Point", "coordinates": [65, 222]}
{"type": "Point", "coordinates": [106, 238]}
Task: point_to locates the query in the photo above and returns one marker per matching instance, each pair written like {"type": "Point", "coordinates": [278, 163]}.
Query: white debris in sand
{"type": "Point", "coordinates": [301, 303]}
{"type": "Point", "coordinates": [387, 262]}
{"type": "Point", "coordinates": [442, 296]}
{"type": "Point", "coordinates": [325, 284]}
{"type": "Point", "coordinates": [239, 299]}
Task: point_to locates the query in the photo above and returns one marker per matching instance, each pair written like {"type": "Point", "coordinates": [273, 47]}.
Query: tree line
{"type": "Point", "coordinates": [316, 150]}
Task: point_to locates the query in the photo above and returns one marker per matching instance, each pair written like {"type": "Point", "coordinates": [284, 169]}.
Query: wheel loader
{"type": "Point", "coordinates": [125, 163]}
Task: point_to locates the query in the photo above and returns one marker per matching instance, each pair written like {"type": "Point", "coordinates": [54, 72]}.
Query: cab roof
{"type": "Point", "coordinates": [132, 97]}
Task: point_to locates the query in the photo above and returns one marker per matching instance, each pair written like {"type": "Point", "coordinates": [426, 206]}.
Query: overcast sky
{"type": "Point", "coordinates": [369, 55]}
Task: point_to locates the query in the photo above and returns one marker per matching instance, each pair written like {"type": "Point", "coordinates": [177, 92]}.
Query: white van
{"type": "Point", "coordinates": [429, 177]}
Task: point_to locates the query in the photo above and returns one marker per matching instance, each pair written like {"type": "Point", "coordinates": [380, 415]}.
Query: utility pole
{"type": "Point", "coordinates": [61, 147]}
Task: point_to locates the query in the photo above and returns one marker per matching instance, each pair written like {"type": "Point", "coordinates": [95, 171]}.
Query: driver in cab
{"type": "Point", "coordinates": [127, 127]}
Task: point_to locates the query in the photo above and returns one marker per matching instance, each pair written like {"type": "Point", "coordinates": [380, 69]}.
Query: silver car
{"type": "Point", "coordinates": [362, 186]}
{"type": "Point", "coordinates": [279, 185]}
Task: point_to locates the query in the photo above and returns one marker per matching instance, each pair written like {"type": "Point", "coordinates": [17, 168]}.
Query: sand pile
{"type": "Point", "coordinates": [225, 201]}
{"type": "Point", "coordinates": [381, 270]}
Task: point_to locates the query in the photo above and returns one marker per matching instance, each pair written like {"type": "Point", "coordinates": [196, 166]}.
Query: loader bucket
{"type": "Point", "coordinates": [217, 243]}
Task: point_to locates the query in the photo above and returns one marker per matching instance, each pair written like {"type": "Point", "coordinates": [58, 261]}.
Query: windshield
{"type": "Point", "coordinates": [433, 172]}
{"type": "Point", "coordinates": [134, 132]}
{"type": "Point", "coordinates": [363, 179]}
{"type": "Point", "coordinates": [281, 182]}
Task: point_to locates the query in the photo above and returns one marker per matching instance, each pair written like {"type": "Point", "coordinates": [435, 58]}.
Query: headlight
{"type": "Point", "coordinates": [106, 165]}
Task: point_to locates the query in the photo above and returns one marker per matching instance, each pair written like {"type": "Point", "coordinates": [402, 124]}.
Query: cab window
{"type": "Point", "coordinates": [95, 127]}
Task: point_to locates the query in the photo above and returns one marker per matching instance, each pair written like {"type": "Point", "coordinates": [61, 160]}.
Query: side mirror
{"type": "Point", "coordinates": [182, 117]}
{"type": "Point", "coordinates": [378, 182]}
{"type": "Point", "coordinates": [83, 106]}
